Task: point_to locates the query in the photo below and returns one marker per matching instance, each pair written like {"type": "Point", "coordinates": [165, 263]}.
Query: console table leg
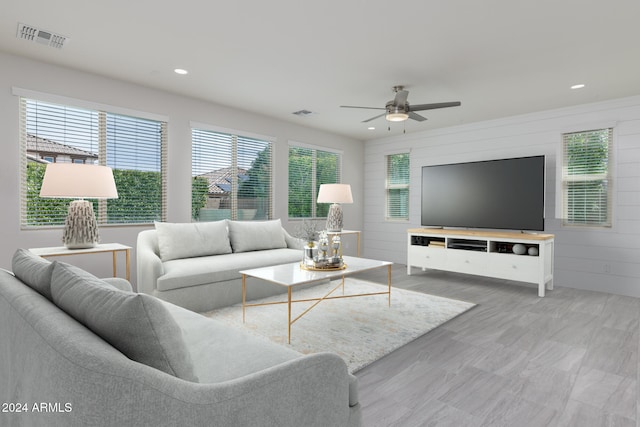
{"type": "Point", "coordinates": [115, 264]}
{"type": "Point", "coordinates": [389, 282]}
{"type": "Point", "coordinates": [127, 264]}
{"type": "Point", "coordinates": [289, 314]}
{"type": "Point", "coordinates": [244, 295]}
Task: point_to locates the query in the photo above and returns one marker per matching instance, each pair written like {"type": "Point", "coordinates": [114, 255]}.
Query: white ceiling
{"type": "Point", "coordinates": [498, 57]}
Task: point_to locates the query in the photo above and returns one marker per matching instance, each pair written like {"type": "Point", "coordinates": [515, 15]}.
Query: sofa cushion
{"type": "Point", "coordinates": [182, 273]}
{"type": "Point", "coordinates": [33, 270]}
{"type": "Point", "coordinates": [192, 239]}
{"type": "Point", "coordinates": [136, 324]}
{"type": "Point", "coordinates": [256, 235]}
{"type": "Point", "coordinates": [235, 352]}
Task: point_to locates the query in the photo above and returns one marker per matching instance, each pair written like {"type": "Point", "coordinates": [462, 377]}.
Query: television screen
{"type": "Point", "coordinates": [499, 194]}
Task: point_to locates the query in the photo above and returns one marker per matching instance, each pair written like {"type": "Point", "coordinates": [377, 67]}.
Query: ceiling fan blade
{"type": "Point", "coordinates": [422, 107]}
{"type": "Point", "coordinates": [373, 118]}
{"type": "Point", "coordinates": [416, 116]}
{"type": "Point", "coordinates": [368, 108]}
{"type": "Point", "coordinates": [401, 98]}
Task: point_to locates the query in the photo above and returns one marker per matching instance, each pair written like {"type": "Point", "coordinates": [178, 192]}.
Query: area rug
{"type": "Point", "coordinates": [361, 330]}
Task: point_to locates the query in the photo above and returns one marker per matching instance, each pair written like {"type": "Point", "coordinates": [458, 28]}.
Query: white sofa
{"type": "Point", "coordinates": [78, 351]}
{"type": "Point", "coordinates": [196, 265]}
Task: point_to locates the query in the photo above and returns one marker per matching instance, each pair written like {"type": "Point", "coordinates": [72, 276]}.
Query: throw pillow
{"type": "Point", "coordinates": [256, 235]}
{"type": "Point", "coordinates": [138, 325]}
{"type": "Point", "coordinates": [33, 270]}
{"type": "Point", "coordinates": [192, 239]}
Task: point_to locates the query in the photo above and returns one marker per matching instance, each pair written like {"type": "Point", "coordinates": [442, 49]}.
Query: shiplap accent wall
{"type": "Point", "coordinates": [597, 259]}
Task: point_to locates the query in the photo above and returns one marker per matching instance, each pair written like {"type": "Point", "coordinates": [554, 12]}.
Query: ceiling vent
{"type": "Point", "coordinates": [303, 113]}
{"type": "Point", "coordinates": [47, 38]}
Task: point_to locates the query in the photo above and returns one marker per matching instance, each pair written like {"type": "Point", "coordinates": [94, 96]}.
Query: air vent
{"type": "Point", "coordinates": [303, 113]}
{"type": "Point", "coordinates": [47, 38]}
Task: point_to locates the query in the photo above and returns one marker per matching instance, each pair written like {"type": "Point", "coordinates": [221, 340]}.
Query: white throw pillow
{"type": "Point", "coordinates": [248, 236]}
{"type": "Point", "coordinates": [192, 239]}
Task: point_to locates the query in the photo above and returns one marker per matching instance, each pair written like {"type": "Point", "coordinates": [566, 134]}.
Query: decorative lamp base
{"type": "Point", "coordinates": [334, 218]}
{"type": "Point", "coordinates": [80, 227]}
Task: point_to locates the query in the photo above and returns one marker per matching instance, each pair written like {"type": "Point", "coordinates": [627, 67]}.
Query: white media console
{"type": "Point", "coordinates": [484, 253]}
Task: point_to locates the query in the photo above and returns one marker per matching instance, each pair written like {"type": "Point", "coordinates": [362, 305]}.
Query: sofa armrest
{"type": "Point", "coordinates": [293, 242]}
{"type": "Point", "coordinates": [309, 391]}
{"type": "Point", "coordinates": [148, 263]}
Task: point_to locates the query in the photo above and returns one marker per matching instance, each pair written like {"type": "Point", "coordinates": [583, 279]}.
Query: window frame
{"type": "Point", "coordinates": [235, 134]}
{"type": "Point", "coordinates": [23, 95]}
{"type": "Point", "coordinates": [389, 186]}
{"type": "Point", "coordinates": [314, 182]}
{"type": "Point", "coordinates": [563, 179]}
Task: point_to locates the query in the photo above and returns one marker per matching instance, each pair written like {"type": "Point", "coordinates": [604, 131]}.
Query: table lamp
{"type": "Point", "coordinates": [335, 194]}
{"type": "Point", "coordinates": [79, 181]}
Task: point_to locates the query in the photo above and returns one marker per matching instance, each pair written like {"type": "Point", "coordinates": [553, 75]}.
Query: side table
{"type": "Point", "coordinates": [114, 248]}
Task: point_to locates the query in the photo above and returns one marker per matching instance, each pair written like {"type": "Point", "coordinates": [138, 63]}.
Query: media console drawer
{"type": "Point", "coordinates": [523, 268]}
{"type": "Point", "coordinates": [484, 253]}
{"type": "Point", "coordinates": [469, 262]}
{"type": "Point", "coordinates": [426, 257]}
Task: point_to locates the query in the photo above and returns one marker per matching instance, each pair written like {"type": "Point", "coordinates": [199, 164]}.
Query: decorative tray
{"type": "Point", "coordinates": [311, 268]}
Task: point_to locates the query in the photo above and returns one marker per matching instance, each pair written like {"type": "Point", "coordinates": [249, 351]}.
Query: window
{"type": "Point", "coordinates": [586, 177]}
{"type": "Point", "coordinates": [231, 176]}
{"type": "Point", "coordinates": [133, 147]}
{"type": "Point", "coordinates": [397, 186]}
{"type": "Point", "coordinates": [308, 168]}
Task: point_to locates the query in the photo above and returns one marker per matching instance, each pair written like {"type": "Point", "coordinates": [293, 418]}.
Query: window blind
{"type": "Point", "coordinates": [397, 187]}
{"type": "Point", "coordinates": [133, 147]}
{"type": "Point", "coordinates": [231, 176]}
{"type": "Point", "coordinates": [308, 169]}
{"type": "Point", "coordinates": [586, 177]}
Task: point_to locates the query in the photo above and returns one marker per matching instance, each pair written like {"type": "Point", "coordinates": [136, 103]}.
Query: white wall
{"type": "Point", "coordinates": [36, 76]}
{"type": "Point", "coordinates": [597, 259]}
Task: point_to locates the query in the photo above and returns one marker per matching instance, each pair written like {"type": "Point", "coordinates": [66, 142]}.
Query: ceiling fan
{"type": "Point", "coordinates": [398, 109]}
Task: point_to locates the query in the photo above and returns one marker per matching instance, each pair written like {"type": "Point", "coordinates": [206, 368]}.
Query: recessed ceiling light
{"type": "Point", "coordinates": [578, 86]}
{"type": "Point", "coordinates": [180, 71]}
{"type": "Point", "coordinates": [371, 128]}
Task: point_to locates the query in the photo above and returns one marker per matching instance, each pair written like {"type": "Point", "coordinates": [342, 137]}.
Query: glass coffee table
{"type": "Point", "coordinates": [290, 275]}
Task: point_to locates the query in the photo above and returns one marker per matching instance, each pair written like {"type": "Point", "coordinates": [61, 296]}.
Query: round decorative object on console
{"type": "Point", "coordinates": [533, 251]}
{"type": "Point", "coordinates": [519, 249]}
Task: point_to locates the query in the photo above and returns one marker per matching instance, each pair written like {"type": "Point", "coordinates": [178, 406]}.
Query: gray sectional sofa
{"type": "Point", "coordinates": [196, 265]}
{"type": "Point", "coordinates": [79, 351]}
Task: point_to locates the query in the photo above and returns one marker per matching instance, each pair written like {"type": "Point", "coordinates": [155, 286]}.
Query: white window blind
{"type": "Point", "coordinates": [397, 186]}
{"type": "Point", "coordinates": [133, 147]}
{"type": "Point", "coordinates": [586, 177]}
{"type": "Point", "coordinates": [308, 169]}
{"type": "Point", "coordinates": [231, 176]}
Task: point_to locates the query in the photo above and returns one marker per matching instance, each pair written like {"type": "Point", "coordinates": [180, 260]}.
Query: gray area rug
{"type": "Point", "coordinates": [361, 330]}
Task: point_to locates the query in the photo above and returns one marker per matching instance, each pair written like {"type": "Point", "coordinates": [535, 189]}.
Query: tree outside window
{"type": "Point", "coordinates": [308, 169]}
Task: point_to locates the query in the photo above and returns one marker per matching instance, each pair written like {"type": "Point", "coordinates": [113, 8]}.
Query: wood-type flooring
{"type": "Point", "coordinates": [568, 359]}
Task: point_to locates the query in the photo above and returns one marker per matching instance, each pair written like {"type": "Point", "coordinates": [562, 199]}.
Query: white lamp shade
{"type": "Point", "coordinates": [335, 193]}
{"type": "Point", "coordinates": [77, 181]}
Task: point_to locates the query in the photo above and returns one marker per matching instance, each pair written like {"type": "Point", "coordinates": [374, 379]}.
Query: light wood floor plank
{"type": "Point", "coordinates": [569, 359]}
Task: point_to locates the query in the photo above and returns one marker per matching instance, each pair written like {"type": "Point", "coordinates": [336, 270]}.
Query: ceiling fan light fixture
{"type": "Point", "coordinates": [397, 117]}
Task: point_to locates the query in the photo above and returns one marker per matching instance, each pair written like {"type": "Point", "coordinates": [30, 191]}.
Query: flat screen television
{"type": "Point", "coordinates": [496, 194]}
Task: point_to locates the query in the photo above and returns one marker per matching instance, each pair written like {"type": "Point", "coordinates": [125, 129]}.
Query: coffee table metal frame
{"type": "Point", "coordinates": [292, 274]}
